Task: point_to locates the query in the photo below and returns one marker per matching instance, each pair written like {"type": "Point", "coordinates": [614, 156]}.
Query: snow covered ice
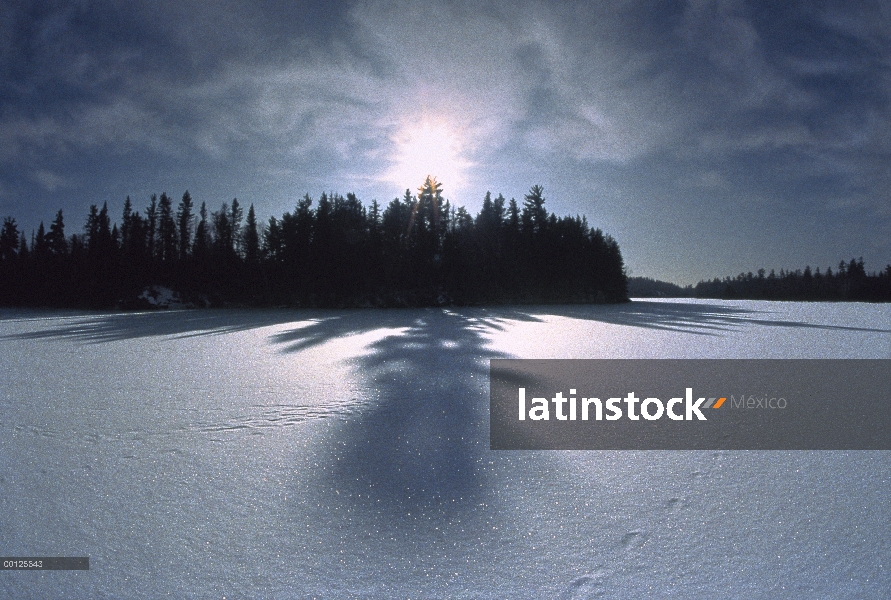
{"type": "Point", "coordinates": [312, 453]}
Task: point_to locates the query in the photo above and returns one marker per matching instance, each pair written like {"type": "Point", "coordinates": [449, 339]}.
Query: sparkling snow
{"type": "Point", "coordinates": [312, 453]}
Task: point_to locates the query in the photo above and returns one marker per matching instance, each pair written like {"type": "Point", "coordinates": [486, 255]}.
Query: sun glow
{"type": "Point", "coordinates": [428, 148]}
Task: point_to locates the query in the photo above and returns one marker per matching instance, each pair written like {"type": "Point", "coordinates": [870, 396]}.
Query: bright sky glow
{"type": "Point", "coordinates": [428, 148]}
{"type": "Point", "coordinates": [709, 138]}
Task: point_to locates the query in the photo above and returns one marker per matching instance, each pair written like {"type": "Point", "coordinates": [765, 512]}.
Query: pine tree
{"type": "Point", "coordinates": [485, 220]}
{"type": "Point", "coordinates": [9, 240]}
{"type": "Point", "coordinates": [126, 223]}
{"type": "Point", "coordinates": [272, 241]}
{"type": "Point", "coordinates": [151, 220]}
{"type": "Point", "coordinates": [235, 224]}
{"type": "Point", "coordinates": [184, 219]}
{"type": "Point", "coordinates": [513, 216]}
{"type": "Point", "coordinates": [104, 246]}
{"type": "Point", "coordinates": [429, 206]}
{"type": "Point", "coordinates": [167, 234]}
{"type": "Point", "coordinates": [91, 229]}
{"type": "Point", "coordinates": [251, 239]}
{"type": "Point", "coordinates": [222, 232]}
{"type": "Point", "coordinates": [374, 223]}
{"type": "Point", "coordinates": [40, 246]}
{"type": "Point", "coordinates": [202, 234]}
{"type": "Point", "coordinates": [535, 216]}
{"type": "Point", "coordinates": [24, 253]}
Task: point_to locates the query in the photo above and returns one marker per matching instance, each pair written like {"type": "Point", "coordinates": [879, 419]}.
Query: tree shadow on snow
{"type": "Point", "coordinates": [97, 327]}
{"type": "Point", "coordinates": [698, 318]}
{"type": "Point", "coordinates": [418, 449]}
{"type": "Point", "coordinates": [110, 327]}
{"type": "Point", "coordinates": [421, 445]}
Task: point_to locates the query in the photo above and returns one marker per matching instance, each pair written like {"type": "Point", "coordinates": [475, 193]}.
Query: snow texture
{"type": "Point", "coordinates": [342, 454]}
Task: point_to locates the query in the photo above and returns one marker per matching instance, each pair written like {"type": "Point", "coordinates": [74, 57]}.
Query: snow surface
{"type": "Point", "coordinates": [344, 453]}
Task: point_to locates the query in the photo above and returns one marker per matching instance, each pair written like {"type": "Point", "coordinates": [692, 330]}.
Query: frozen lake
{"type": "Point", "coordinates": [311, 453]}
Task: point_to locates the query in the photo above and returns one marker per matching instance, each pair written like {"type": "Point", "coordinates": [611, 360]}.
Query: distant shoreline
{"type": "Point", "coordinates": [850, 282]}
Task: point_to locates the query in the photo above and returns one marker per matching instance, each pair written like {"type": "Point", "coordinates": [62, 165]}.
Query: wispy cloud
{"type": "Point", "coordinates": [50, 181]}
{"type": "Point", "coordinates": [633, 100]}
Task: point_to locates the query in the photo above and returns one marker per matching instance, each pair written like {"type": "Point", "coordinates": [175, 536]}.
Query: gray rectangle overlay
{"type": "Point", "coordinates": [45, 563]}
{"type": "Point", "coordinates": [768, 404]}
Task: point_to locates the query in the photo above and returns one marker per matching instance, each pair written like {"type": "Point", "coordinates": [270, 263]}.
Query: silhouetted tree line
{"type": "Point", "coordinates": [849, 281]}
{"type": "Point", "coordinates": [418, 250]}
{"type": "Point", "coordinates": [647, 287]}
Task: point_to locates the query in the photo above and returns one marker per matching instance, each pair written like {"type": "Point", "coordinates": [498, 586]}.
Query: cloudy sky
{"type": "Point", "coordinates": [708, 138]}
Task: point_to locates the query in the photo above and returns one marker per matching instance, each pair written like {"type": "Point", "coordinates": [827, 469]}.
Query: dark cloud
{"type": "Point", "coordinates": [761, 125]}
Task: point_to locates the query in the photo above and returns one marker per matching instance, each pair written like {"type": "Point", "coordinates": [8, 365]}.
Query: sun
{"type": "Point", "coordinates": [428, 148]}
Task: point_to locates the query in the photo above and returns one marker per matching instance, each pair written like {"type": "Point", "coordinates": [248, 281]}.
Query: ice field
{"type": "Point", "coordinates": [344, 453]}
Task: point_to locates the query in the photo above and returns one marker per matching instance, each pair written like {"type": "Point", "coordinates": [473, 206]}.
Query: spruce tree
{"type": "Point", "coordinates": [184, 219]}
{"type": "Point", "coordinates": [534, 214]}
{"type": "Point", "coordinates": [151, 220]}
{"type": "Point", "coordinates": [40, 246]}
{"type": "Point", "coordinates": [167, 234]}
{"type": "Point", "coordinates": [202, 234]}
{"type": "Point", "coordinates": [9, 241]}
{"type": "Point", "coordinates": [235, 225]}
{"type": "Point", "coordinates": [251, 239]}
